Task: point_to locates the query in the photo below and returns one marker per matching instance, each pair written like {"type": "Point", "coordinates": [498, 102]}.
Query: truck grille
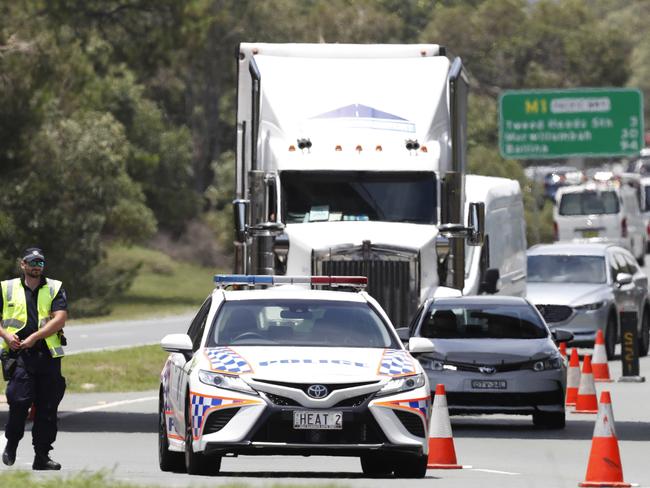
{"type": "Point", "coordinates": [393, 275]}
{"type": "Point", "coordinates": [555, 313]}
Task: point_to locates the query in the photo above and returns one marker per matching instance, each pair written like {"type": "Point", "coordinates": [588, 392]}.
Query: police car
{"type": "Point", "coordinates": [293, 370]}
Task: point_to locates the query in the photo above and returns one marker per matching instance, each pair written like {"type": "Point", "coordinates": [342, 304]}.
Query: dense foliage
{"type": "Point", "coordinates": [117, 116]}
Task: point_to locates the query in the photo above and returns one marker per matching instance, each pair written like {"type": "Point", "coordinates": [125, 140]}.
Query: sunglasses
{"type": "Point", "coordinates": [36, 263]}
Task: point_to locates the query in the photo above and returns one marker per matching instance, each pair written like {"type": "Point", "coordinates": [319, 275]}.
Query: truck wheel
{"type": "Point", "coordinates": [376, 465]}
{"type": "Point", "coordinates": [168, 460]}
{"type": "Point", "coordinates": [550, 420]}
{"type": "Point", "coordinates": [611, 336]}
{"type": "Point", "coordinates": [644, 336]}
{"type": "Point", "coordinates": [410, 467]}
{"type": "Point", "coordinates": [197, 462]}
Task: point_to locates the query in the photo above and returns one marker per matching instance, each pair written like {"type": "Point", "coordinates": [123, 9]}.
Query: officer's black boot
{"type": "Point", "coordinates": [9, 454]}
{"type": "Point", "coordinates": [44, 463]}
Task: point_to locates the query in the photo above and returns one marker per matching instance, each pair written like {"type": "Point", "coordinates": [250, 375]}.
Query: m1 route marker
{"type": "Point", "coordinates": [537, 124]}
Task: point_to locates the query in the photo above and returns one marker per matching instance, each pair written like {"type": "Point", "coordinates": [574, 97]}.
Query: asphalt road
{"type": "Point", "coordinates": [117, 433]}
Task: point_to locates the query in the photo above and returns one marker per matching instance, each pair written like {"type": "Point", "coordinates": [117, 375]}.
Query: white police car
{"type": "Point", "coordinates": [293, 370]}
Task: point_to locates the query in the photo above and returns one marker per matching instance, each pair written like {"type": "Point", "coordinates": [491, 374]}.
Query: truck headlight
{"type": "Point", "coordinates": [225, 381]}
{"type": "Point", "coordinates": [554, 362]}
{"type": "Point", "coordinates": [590, 306]}
{"type": "Point", "coordinates": [399, 385]}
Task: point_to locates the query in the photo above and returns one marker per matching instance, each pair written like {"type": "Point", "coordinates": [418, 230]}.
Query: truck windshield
{"type": "Point", "coordinates": [358, 195]}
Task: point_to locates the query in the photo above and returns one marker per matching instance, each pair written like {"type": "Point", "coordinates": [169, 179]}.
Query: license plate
{"type": "Point", "coordinates": [318, 420]}
{"type": "Point", "coordinates": [490, 384]}
{"type": "Point", "coordinates": [589, 233]}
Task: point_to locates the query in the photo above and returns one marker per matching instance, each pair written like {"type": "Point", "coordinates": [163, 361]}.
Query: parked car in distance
{"type": "Point", "coordinates": [601, 212]}
{"type": "Point", "coordinates": [494, 354]}
{"type": "Point", "coordinates": [581, 287]}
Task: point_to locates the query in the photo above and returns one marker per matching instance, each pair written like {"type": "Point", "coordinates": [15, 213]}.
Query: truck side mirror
{"type": "Point", "coordinates": [240, 210]}
{"type": "Point", "coordinates": [476, 223]}
{"type": "Point", "coordinates": [490, 283]}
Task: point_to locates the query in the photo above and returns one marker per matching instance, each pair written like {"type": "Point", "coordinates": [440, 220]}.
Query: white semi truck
{"type": "Point", "coordinates": [351, 161]}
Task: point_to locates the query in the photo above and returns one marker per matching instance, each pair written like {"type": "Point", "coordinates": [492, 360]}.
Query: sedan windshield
{"type": "Point", "coordinates": [358, 195]}
{"type": "Point", "coordinates": [299, 323]}
{"type": "Point", "coordinates": [481, 321]}
{"type": "Point", "coordinates": [589, 203]}
{"type": "Point", "coordinates": [566, 269]}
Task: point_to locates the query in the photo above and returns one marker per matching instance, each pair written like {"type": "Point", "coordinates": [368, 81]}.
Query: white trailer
{"type": "Point", "coordinates": [351, 161]}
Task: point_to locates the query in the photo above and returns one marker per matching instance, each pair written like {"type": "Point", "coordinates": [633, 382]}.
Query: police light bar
{"type": "Point", "coordinates": [252, 280]}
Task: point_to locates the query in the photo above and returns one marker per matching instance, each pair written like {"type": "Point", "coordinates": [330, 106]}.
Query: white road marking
{"type": "Point", "coordinates": [108, 405]}
{"type": "Point", "coordinates": [495, 471]}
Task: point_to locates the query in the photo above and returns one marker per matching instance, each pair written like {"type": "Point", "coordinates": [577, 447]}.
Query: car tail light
{"type": "Point", "coordinates": [624, 227]}
{"type": "Point", "coordinates": [647, 229]}
{"type": "Point", "coordinates": [556, 232]}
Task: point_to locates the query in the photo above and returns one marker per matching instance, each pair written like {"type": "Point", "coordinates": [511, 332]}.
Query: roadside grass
{"type": "Point", "coordinates": [163, 286]}
{"type": "Point", "coordinates": [133, 369]}
{"type": "Point", "coordinates": [25, 479]}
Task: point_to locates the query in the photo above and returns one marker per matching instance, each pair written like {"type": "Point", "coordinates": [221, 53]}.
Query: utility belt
{"type": "Point", "coordinates": [9, 362]}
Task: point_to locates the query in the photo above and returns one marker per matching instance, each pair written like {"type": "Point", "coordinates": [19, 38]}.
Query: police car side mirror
{"type": "Point", "coordinates": [623, 279]}
{"type": "Point", "coordinates": [419, 345]}
{"type": "Point", "coordinates": [177, 343]}
{"type": "Point", "coordinates": [561, 335]}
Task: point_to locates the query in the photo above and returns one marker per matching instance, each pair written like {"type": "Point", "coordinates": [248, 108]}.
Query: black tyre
{"type": "Point", "coordinates": [168, 460]}
{"type": "Point", "coordinates": [550, 420]}
{"type": "Point", "coordinates": [611, 336]}
{"type": "Point", "coordinates": [197, 462]}
{"type": "Point", "coordinates": [641, 260]}
{"type": "Point", "coordinates": [410, 467]}
{"type": "Point", "coordinates": [376, 465]}
{"type": "Point", "coordinates": [644, 336]}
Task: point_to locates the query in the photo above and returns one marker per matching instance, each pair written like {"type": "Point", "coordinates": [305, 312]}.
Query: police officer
{"type": "Point", "coordinates": [34, 310]}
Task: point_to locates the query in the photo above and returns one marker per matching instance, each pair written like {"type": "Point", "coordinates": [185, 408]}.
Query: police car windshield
{"type": "Point", "coordinates": [479, 321]}
{"type": "Point", "coordinates": [566, 269]}
{"type": "Point", "coordinates": [299, 323]}
{"type": "Point", "coordinates": [318, 196]}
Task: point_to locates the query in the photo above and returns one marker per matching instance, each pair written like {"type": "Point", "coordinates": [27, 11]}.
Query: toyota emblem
{"type": "Point", "coordinates": [487, 369]}
{"type": "Point", "coordinates": [317, 391]}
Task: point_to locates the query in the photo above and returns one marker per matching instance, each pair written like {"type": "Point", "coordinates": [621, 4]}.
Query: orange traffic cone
{"type": "Point", "coordinates": [442, 454]}
{"type": "Point", "coordinates": [587, 402]}
{"type": "Point", "coordinates": [563, 349]}
{"type": "Point", "coordinates": [599, 362]}
{"type": "Point", "coordinates": [604, 468]}
{"type": "Point", "coordinates": [573, 378]}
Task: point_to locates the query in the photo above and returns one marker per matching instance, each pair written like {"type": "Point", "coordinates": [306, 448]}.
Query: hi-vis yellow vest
{"type": "Point", "coordinates": [14, 310]}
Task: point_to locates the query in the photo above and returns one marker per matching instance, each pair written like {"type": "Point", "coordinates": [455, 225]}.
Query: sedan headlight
{"type": "Point", "coordinates": [554, 362]}
{"type": "Point", "coordinates": [399, 385]}
{"type": "Point", "coordinates": [590, 306]}
{"type": "Point", "coordinates": [225, 381]}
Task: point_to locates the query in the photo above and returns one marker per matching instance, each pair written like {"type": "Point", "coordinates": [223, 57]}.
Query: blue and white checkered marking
{"type": "Point", "coordinates": [225, 360]}
{"type": "Point", "coordinates": [395, 362]}
{"type": "Point", "coordinates": [420, 406]}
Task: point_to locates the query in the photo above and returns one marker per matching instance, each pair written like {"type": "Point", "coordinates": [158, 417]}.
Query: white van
{"type": "Point", "coordinates": [504, 248]}
{"type": "Point", "coordinates": [599, 212]}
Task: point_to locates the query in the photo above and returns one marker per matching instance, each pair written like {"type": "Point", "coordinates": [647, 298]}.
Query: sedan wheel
{"type": "Point", "coordinates": [168, 460]}
{"type": "Point", "coordinates": [376, 465]}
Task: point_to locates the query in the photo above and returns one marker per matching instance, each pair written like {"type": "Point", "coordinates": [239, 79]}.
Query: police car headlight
{"type": "Point", "coordinates": [554, 362]}
{"type": "Point", "coordinates": [399, 385]}
{"type": "Point", "coordinates": [225, 381]}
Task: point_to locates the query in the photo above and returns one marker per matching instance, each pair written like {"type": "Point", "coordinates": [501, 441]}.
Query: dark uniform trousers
{"type": "Point", "coordinates": [37, 379]}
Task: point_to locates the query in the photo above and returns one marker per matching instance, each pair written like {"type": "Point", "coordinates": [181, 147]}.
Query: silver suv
{"type": "Point", "coordinates": [581, 287]}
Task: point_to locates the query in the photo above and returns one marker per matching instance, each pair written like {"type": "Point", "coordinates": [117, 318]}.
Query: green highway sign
{"type": "Point", "coordinates": [596, 122]}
